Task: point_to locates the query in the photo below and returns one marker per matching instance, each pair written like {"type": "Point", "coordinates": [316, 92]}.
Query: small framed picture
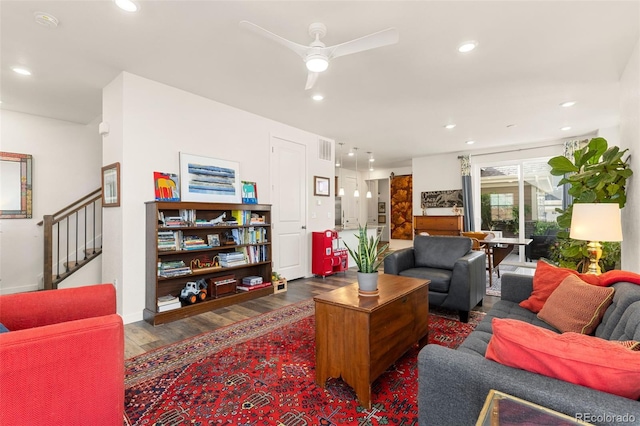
{"type": "Point", "coordinates": [249, 192]}
{"type": "Point", "coordinates": [382, 218]}
{"type": "Point", "coordinates": [382, 207]}
{"type": "Point", "coordinates": [111, 185]}
{"type": "Point", "coordinates": [321, 186]}
{"type": "Point", "coordinates": [213, 240]}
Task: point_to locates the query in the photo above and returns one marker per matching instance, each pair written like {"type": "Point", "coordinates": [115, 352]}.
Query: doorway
{"type": "Point", "coordinates": [518, 199]}
{"type": "Point", "coordinates": [288, 177]}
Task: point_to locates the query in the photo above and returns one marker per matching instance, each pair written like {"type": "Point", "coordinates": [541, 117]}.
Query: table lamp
{"type": "Point", "coordinates": [595, 223]}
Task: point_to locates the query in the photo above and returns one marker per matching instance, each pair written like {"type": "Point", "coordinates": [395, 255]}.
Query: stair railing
{"type": "Point", "coordinates": [72, 237]}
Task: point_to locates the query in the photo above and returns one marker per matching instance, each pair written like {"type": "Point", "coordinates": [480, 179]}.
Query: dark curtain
{"type": "Point", "coordinates": [467, 196]}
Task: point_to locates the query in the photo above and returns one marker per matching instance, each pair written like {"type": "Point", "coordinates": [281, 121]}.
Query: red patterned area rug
{"type": "Point", "coordinates": [261, 372]}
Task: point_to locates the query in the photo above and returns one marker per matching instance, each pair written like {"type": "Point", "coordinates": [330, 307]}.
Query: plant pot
{"type": "Point", "coordinates": [368, 283]}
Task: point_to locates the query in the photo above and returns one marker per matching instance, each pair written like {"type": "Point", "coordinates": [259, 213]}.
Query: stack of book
{"type": "Point", "coordinates": [234, 258]}
{"type": "Point", "coordinates": [252, 283]}
{"type": "Point", "coordinates": [193, 242]}
{"type": "Point", "coordinates": [166, 241]}
{"type": "Point", "coordinates": [168, 303]}
{"type": "Point", "coordinates": [173, 268]}
{"type": "Point", "coordinates": [256, 219]}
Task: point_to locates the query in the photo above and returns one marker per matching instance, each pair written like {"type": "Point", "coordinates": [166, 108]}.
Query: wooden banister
{"type": "Point", "coordinates": [72, 205]}
{"type": "Point", "coordinates": [53, 235]}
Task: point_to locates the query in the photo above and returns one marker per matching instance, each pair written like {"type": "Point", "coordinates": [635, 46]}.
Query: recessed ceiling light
{"type": "Point", "coordinates": [449, 126]}
{"type": "Point", "coordinates": [467, 46]}
{"type": "Point", "coordinates": [470, 142]}
{"type": "Point", "coordinates": [46, 19]}
{"type": "Point", "coordinates": [317, 97]}
{"type": "Point", "coordinates": [21, 70]}
{"type": "Point", "coordinates": [565, 128]}
{"type": "Point", "coordinates": [127, 5]}
{"type": "Point", "coordinates": [568, 104]}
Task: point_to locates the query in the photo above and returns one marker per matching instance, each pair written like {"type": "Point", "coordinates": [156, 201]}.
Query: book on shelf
{"type": "Point", "coordinates": [252, 287]}
{"type": "Point", "coordinates": [193, 242]}
{"type": "Point", "coordinates": [256, 219]}
{"type": "Point", "coordinates": [167, 300]}
{"type": "Point", "coordinates": [234, 258]}
{"type": "Point", "coordinates": [169, 240]}
{"type": "Point", "coordinates": [174, 268]}
{"type": "Point", "coordinates": [170, 306]}
{"type": "Point", "coordinates": [240, 216]}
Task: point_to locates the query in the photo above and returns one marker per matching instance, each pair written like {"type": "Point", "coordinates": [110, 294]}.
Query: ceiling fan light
{"type": "Point", "coordinates": [127, 5]}
{"type": "Point", "coordinates": [317, 63]}
{"type": "Point", "coordinates": [467, 46]}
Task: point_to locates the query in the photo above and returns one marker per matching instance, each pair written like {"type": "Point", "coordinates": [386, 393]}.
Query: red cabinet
{"type": "Point", "coordinates": [326, 257]}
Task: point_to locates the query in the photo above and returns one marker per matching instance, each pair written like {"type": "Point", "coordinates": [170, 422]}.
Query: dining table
{"type": "Point", "coordinates": [498, 248]}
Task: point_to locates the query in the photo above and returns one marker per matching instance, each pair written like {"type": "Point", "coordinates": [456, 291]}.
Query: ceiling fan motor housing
{"type": "Point", "coordinates": [317, 30]}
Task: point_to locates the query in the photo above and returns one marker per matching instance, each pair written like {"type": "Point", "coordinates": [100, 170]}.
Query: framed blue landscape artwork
{"type": "Point", "coordinates": [209, 180]}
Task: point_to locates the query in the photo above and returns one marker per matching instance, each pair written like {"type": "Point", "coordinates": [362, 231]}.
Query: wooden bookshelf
{"type": "Point", "coordinates": [253, 239]}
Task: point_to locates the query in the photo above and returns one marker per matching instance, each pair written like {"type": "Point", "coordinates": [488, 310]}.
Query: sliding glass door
{"type": "Point", "coordinates": [517, 199]}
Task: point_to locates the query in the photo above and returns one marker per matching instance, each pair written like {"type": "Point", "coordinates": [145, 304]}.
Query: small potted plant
{"type": "Point", "coordinates": [368, 257]}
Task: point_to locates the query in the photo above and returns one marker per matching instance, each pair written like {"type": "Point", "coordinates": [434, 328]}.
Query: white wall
{"type": "Point", "coordinates": [66, 166]}
{"type": "Point", "coordinates": [630, 139]}
{"type": "Point", "coordinates": [435, 173]}
{"type": "Point", "coordinates": [150, 124]}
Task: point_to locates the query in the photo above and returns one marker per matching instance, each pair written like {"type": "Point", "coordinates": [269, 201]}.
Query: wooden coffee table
{"type": "Point", "coordinates": [358, 337]}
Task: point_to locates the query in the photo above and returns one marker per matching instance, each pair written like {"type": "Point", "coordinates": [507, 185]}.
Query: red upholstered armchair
{"type": "Point", "coordinates": [62, 361]}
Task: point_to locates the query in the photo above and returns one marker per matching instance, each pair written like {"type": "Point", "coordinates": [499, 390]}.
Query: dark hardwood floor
{"type": "Point", "coordinates": [141, 337]}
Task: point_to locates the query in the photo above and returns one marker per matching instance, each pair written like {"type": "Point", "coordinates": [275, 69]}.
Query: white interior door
{"type": "Point", "coordinates": [350, 204]}
{"type": "Point", "coordinates": [288, 177]}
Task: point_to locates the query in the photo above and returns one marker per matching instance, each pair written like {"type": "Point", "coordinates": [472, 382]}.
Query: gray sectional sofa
{"type": "Point", "coordinates": [453, 384]}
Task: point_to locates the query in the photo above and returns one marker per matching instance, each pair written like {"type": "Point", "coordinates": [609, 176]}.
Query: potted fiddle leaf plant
{"type": "Point", "coordinates": [368, 256]}
{"type": "Point", "coordinates": [597, 174]}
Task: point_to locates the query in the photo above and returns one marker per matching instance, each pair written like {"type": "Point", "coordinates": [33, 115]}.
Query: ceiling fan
{"type": "Point", "coordinates": [317, 56]}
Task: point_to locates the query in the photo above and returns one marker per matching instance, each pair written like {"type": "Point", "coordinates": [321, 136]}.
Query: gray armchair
{"type": "Point", "coordinates": [457, 273]}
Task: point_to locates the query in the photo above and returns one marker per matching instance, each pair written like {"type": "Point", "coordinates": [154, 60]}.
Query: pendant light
{"type": "Point", "coordinates": [341, 190]}
{"type": "Point", "coordinates": [356, 193]}
{"type": "Point", "coordinates": [369, 181]}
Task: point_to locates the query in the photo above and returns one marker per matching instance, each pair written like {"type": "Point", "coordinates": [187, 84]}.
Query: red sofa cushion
{"type": "Point", "coordinates": [576, 358]}
{"type": "Point", "coordinates": [576, 306]}
{"type": "Point", "coordinates": [546, 279]}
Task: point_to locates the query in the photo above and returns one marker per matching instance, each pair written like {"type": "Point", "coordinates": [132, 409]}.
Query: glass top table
{"type": "Point", "coordinates": [501, 409]}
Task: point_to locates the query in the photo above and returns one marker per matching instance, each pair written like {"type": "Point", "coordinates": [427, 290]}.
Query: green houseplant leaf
{"type": "Point", "coordinates": [369, 256]}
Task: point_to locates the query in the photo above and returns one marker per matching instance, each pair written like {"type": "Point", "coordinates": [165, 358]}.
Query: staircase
{"type": "Point", "coordinates": [72, 238]}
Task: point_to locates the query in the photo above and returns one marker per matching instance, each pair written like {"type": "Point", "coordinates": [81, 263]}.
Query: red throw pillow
{"type": "Point", "coordinates": [576, 358]}
{"type": "Point", "coordinates": [576, 306]}
{"type": "Point", "coordinates": [546, 279]}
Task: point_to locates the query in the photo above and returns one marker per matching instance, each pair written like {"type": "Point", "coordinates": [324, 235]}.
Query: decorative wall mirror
{"type": "Point", "coordinates": [16, 186]}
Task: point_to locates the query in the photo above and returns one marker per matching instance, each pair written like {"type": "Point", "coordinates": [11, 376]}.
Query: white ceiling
{"type": "Point", "coordinates": [394, 101]}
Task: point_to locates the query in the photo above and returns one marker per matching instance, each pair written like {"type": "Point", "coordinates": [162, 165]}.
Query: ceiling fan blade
{"type": "Point", "coordinates": [311, 80]}
{"type": "Point", "coordinates": [298, 48]}
{"type": "Point", "coordinates": [371, 41]}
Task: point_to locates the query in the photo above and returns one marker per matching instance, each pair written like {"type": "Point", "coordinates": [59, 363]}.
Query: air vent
{"type": "Point", "coordinates": [324, 149]}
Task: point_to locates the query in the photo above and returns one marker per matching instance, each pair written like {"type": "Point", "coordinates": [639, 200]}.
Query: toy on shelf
{"type": "Point", "coordinates": [194, 292]}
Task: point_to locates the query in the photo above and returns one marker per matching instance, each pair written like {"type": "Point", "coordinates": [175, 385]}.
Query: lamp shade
{"type": "Point", "coordinates": [596, 222]}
